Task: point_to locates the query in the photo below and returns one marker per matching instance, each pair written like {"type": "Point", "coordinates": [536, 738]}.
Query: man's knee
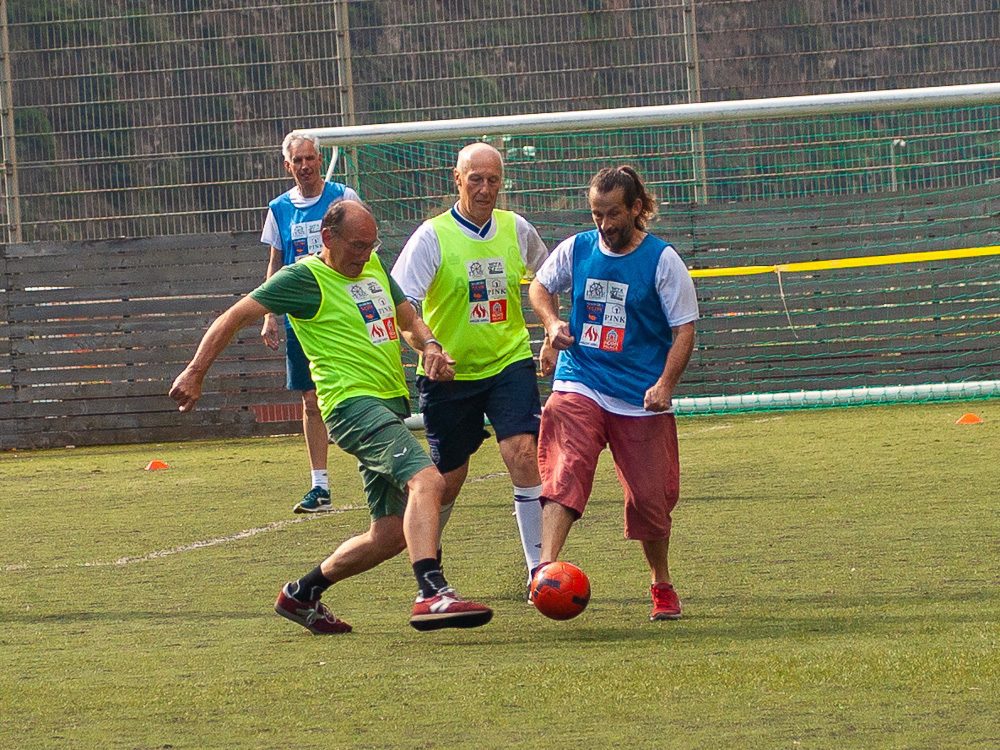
{"type": "Point", "coordinates": [427, 482]}
{"type": "Point", "coordinates": [523, 444]}
{"type": "Point", "coordinates": [520, 453]}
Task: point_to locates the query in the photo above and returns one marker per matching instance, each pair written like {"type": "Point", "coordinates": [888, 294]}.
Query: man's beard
{"type": "Point", "coordinates": [618, 241]}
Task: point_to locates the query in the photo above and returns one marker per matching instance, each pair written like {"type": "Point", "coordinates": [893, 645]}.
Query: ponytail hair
{"type": "Point", "coordinates": [626, 178]}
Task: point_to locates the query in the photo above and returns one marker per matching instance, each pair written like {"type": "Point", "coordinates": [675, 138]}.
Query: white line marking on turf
{"type": "Point", "coordinates": [180, 549]}
{"type": "Point", "coordinates": [726, 426]}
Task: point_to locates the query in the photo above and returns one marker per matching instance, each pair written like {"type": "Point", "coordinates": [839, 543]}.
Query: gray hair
{"type": "Point", "coordinates": [293, 139]}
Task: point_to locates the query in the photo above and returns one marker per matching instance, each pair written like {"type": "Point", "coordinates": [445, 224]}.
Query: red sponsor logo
{"type": "Point", "coordinates": [612, 339]}
{"type": "Point", "coordinates": [479, 311]}
{"type": "Point", "coordinates": [591, 334]}
{"type": "Point", "coordinates": [377, 331]}
{"type": "Point", "coordinates": [390, 327]}
{"type": "Point", "coordinates": [498, 310]}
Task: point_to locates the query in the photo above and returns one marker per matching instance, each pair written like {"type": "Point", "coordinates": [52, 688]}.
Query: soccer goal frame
{"type": "Point", "coordinates": [695, 115]}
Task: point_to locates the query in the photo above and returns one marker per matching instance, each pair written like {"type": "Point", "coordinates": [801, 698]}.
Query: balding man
{"type": "Point", "coordinates": [349, 315]}
{"type": "Point", "coordinates": [465, 266]}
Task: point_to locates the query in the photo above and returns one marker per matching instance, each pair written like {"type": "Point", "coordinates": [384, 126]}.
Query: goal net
{"type": "Point", "coordinates": [846, 248]}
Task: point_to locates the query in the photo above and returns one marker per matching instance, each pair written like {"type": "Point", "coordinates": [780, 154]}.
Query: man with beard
{"type": "Point", "coordinates": [628, 340]}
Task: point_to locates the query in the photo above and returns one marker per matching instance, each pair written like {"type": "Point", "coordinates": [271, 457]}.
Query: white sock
{"type": "Point", "coordinates": [528, 512]}
{"type": "Point", "coordinates": [320, 478]}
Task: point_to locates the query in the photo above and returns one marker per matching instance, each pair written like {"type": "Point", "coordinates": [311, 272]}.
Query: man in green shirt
{"type": "Point", "coordinates": [349, 316]}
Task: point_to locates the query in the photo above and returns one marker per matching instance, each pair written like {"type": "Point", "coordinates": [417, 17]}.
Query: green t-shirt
{"type": "Point", "coordinates": [346, 326]}
{"type": "Point", "coordinates": [293, 290]}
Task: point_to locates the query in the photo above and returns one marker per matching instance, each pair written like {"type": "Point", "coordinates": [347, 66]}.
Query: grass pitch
{"type": "Point", "coordinates": [838, 570]}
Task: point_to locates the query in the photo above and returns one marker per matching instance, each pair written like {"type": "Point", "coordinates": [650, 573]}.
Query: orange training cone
{"type": "Point", "coordinates": [156, 465]}
{"type": "Point", "coordinates": [969, 418]}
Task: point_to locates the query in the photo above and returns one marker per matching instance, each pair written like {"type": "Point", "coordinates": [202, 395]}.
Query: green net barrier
{"type": "Point", "coordinates": [872, 201]}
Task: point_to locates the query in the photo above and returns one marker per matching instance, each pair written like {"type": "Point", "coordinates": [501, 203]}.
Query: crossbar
{"type": "Point", "coordinates": [670, 114]}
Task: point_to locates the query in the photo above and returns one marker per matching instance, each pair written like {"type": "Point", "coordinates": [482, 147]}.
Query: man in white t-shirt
{"type": "Point", "coordinates": [292, 231]}
{"type": "Point", "coordinates": [465, 266]}
{"type": "Point", "coordinates": [628, 341]}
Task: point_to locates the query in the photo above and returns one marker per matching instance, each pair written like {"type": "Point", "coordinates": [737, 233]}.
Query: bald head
{"type": "Point", "coordinates": [345, 215]}
{"type": "Point", "coordinates": [476, 154]}
{"type": "Point", "coordinates": [478, 177]}
{"type": "Point", "coordinates": [350, 236]}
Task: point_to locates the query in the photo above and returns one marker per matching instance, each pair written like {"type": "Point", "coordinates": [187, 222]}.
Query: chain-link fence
{"type": "Point", "coordinates": [164, 117]}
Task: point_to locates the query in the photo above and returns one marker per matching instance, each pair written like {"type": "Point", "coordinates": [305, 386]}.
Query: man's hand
{"type": "Point", "coordinates": [438, 364]}
{"type": "Point", "coordinates": [547, 357]}
{"type": "Point", "coordinates": [559, 336]}
{"type": "Point", "coordinates": [658, 397]}
{"type": "Point", "coordinates": [270, 332]}
{"type": "Point", "coordinates": [186, 389]}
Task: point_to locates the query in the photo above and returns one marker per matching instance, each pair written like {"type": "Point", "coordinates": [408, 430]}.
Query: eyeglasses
{"type": "Point", "coordinates": [363, 247]}
{"type": "Point", "coordinates": [358, 246]}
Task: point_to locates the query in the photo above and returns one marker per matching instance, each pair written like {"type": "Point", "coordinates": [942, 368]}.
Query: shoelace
{"type": "Point", "coordinates": [661, 593]}
{"type": "Point", "coordinates": [448, 592]}
{"type": "Point", "coordinates": [319, 612]}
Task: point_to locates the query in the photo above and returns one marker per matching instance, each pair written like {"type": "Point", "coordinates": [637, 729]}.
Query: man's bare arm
{"type": "Point", "coordinates": [438, 364]}
{"type": "Point", "coordinates": [546, 307]}
{"type": "Point", "coordinates": [269, 332]}
{"type": "Point", "coordinates": [186, 389]}
{"type": "Point", "coordinates": [660, 394]}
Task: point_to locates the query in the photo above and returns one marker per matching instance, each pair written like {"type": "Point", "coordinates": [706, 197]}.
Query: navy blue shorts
{"type": "Point", "coordinates": [454, 410]}
{"type": "Point", "coordinates": [296, 365]}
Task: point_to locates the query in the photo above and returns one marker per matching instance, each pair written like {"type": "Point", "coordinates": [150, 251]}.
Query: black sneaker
{"type": "Point", "coordinates": [317, 500]}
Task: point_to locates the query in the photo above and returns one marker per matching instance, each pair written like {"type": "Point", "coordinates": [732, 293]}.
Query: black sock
{"type": "Point", "coordinates": [309, 587]}
{"type": "Point", "coordinates": [430, 579]}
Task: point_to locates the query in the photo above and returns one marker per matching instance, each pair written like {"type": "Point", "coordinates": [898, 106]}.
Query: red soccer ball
{"type": "Point", "coordinates": [560, 590]}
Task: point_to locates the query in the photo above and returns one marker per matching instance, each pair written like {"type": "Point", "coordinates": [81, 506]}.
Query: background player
{"type": "Point", "coordinates": [292, 231]}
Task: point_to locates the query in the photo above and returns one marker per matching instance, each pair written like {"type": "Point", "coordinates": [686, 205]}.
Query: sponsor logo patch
{"type": "Point", "coordinates": [376, 309]}
{"type": "Point", "coordinates": [605, 319]}
{"type": "Point", "coordinates": [487, 290]}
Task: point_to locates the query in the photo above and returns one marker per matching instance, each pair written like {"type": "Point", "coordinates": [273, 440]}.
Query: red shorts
{"type": "Point", "coordinates": [573, 433]}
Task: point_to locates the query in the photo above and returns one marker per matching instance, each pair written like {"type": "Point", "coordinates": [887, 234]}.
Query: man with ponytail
{"type": "Point", "coordinates": [628, 339]}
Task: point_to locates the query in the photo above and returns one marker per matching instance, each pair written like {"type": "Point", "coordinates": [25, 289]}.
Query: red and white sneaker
{"type": "Point", "coordinates": [666, 604]}
{"type": "Point", "coordinates": [313, 616]}
{"type": "Point", "coordinates": [447, 609]}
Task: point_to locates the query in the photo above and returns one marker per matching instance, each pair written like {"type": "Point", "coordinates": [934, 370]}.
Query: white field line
{"type": "Point", "coordinates": [181, 549]}
{"type": "Point", "coordinates": [486, 477]}
{"type": "Point", "coordinates": [726, 426]}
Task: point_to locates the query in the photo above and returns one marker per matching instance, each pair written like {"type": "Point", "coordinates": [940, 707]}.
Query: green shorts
{"type": "Point", "coordinates": [372, 430]}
